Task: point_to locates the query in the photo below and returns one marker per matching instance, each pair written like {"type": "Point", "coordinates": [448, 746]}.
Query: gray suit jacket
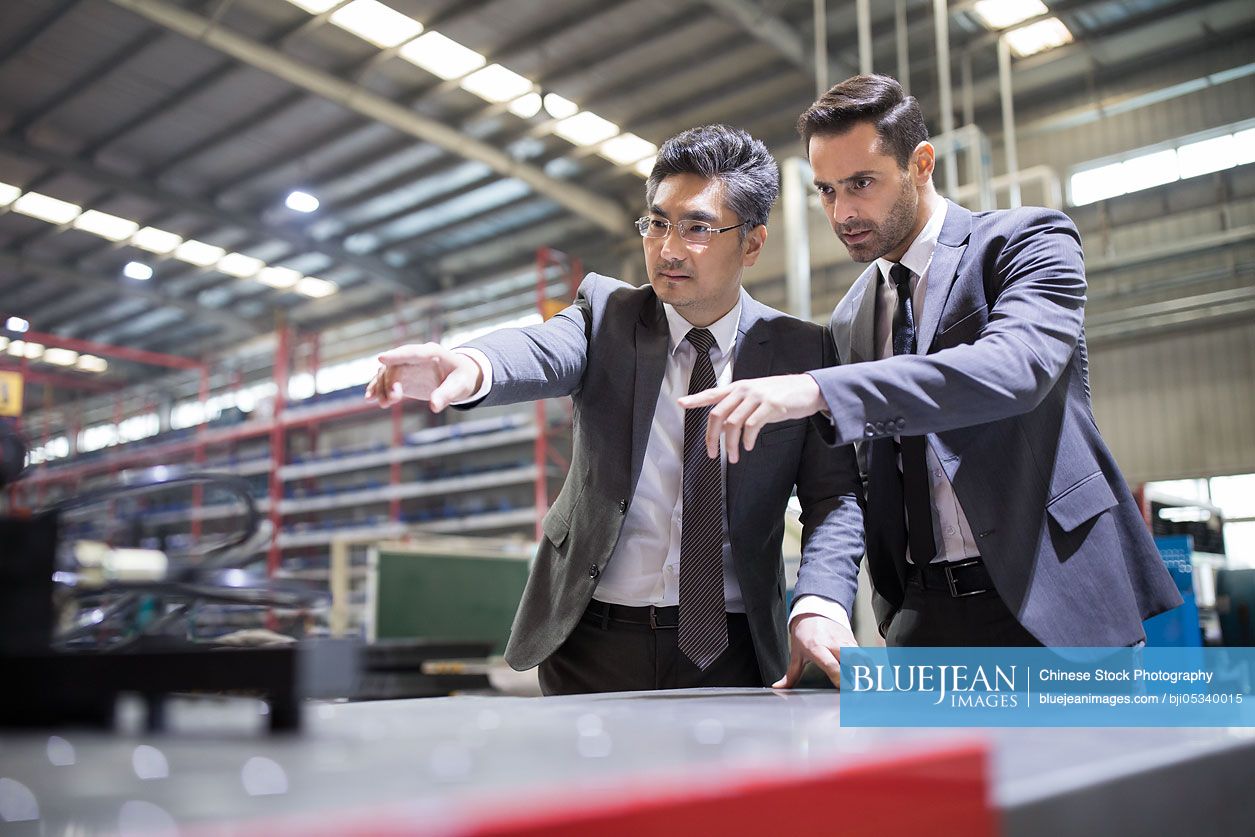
{"type": "Point", "coordinates": [608, 350]}
{"type": "Point", "coordinates": [1000, 381]}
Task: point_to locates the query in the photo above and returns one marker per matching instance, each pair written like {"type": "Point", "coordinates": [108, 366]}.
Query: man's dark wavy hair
{"type": "Point", "coordinates": [877, 99]}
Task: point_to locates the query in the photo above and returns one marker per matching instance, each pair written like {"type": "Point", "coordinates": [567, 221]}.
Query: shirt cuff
{"type": "Point", "coordinates": [485, 370]}
{"type": "Point", "coordinates": [812, 605]}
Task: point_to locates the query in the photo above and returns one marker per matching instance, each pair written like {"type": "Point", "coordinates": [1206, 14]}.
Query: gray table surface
{"type": "Point", "coordinates": [436, 762]}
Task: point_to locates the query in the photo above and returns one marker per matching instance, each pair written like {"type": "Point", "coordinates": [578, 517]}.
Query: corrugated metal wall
{"type": "Point", "coordinates": [1180, 405]}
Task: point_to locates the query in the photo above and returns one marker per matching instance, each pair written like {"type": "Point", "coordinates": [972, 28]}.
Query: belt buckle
{"type": "Point", "coordinates": [954, 592]}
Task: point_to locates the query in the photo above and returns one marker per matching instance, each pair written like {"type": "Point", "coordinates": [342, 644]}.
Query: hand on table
{"type": "Point", "coordinates": [817, 639]}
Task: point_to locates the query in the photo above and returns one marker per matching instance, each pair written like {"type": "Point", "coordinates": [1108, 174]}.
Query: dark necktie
{"type": "Point", "coordinates": [915, 490]}
{"type": "Point", "coordinates": [703, 625]}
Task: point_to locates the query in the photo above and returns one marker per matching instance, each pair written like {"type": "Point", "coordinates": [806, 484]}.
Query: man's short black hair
{"type": "Point", "coordinates": [877, 99]}
{"type": "Point", "coordinates": [749, 173]}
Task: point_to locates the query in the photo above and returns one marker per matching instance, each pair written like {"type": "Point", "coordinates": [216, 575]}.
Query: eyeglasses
{"type": "Point", "coordinates": [694, 232]}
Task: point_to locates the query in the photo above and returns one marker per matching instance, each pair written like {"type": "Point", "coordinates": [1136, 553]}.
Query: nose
{"type": "Point", "coordinates": [674, 248]}
{"type": "Point", "coordinates": [840, 213]}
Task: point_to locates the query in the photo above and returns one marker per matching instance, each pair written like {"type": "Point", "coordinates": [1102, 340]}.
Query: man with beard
{"type": "Point", "coordinates": [661, 567]}
{"type": "Point", "coordinates": [995, 513]}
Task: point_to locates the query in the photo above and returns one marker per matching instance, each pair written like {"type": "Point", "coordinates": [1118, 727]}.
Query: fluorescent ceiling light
{"type": "Point", "coordinates": [371, 20]}
{"type": "Point", "coordinates": [1000, 14]}
{"type": "Point", "coordinates": [442, 56]}
{"type": "Point", "coordinates": [156, 241]}
{"type": "Point", "coordinates": [46, 209]}
{"type": "Point", "coordinates": [17, 324]}
{"type": "Point", "coordinates": [60, 357]}
{"type": "Point", "coordinates": [28, 350]}
{"type": "Point", "coordinates": [627, 148]}
{"type": "Point", "coordinates": [198, 253]}
{"type": "Point", "coordinates": [496, 84]}
{"type": "Point", "coordinates": [299, 201]}
{"type": "Point", "coordinates": [17, 348]}
{"type": "Point", "coordinates": [239, 265]}
{"type": "Point", "coordinates": [4, 343]}
{"type": "Point", "coordinates": [644, 167]}
{"type": "Point", "coordinates": [558, 107]}
{"type": "Point", "coordinates": [1150, 170]}
{"type": "Point", "coordinates": [8, 194]}
{"type": "Point", "coordinates": [1097, 184]}
{"type": "Point", "coordinates": [314, 287]}
{"type": "Point", "coordinates": [1038, 37]}
{"type": "Point", "coordinates": [91, 363]}
{"type": "Point", "coordinates": [525, 106]}
{"type": "Point", "coordinates": [314, 7]}
{"type": "Point", "coordinates": [1244, 147]}
{"type": "Point", "coordinates": [1206, 156]}
{"type": "Point", "coordinates": [137, 271]}
{"type": "Point", "coordinates": [586, 128]}
{"type": "Point", "coordinates": [279, 277]}
{"type": "Point", "coordinates": [106, 226]}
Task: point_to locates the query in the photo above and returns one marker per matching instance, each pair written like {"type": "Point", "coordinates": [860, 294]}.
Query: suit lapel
{"type": "Point", "coordinates": [752, 360]}
{"type": "Point", "coordinates": [863, 329]}
{"type": "Point", "coordinates": [651, 365]}
{"type": "Point", "coordinates": [941, 271]}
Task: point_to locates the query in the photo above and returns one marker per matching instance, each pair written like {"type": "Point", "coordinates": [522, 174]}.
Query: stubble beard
{"type": "Point", "coordinates": [890, 233]}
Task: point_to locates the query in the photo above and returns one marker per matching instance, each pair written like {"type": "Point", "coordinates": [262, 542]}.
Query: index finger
{"type": "Point", "coordinates": [704, 398]}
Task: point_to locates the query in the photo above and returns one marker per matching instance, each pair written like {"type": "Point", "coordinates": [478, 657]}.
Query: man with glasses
{"type": "Point", "coordinates": [660, 566]}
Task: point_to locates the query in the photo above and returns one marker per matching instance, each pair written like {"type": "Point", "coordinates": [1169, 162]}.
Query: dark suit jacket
{"type": "Point", "coordinates": [1000, 382]}
{"type": "Point", "coordinates": [609, 352]}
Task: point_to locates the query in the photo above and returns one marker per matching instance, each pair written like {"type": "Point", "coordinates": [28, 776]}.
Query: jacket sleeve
{"type": "Point", "coordinates": [831, 494]}
{"type": "Point", "coordinates": [546, 360]}
{"type": "Point", "coordinates": [1034, 325]}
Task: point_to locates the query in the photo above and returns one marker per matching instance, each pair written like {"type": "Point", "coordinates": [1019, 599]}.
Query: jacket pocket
{"type": "Point", "coordinates": [964, 330]}
{"type": "Point", "coordinates": [783, 433]}
{"type": "Point", "coordinates": [555, 527]}
{"type": "Point", "coordinates": [1085, 500]}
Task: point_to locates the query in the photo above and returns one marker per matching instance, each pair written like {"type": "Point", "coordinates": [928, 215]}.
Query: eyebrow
{"type": "Point", "coordinates": [857, 175]}
{"type": "Point", "coordinates": [694, 215]}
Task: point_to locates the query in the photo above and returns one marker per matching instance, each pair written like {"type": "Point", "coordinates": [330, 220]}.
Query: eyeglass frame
{"type": "Point", "coordinates": [643, 222]}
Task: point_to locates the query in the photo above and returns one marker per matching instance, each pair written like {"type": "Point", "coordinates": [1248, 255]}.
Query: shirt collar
{"type": "Point", "coordinates": [723, 329]}
{"type": "Point", "coordinates": [920, 253]}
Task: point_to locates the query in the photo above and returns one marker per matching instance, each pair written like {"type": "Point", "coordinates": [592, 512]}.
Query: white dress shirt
{"type": "Point", "coordinates": [950, 527]}
{"type": "Point", "coordinates": [644, 568]}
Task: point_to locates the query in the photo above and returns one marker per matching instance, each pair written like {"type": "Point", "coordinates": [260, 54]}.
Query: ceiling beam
{"type": "Point", "coordinates": [779, 35]}
{"type": "Point", "coordinates": [70, 276]}
{"type": "Point", "coordinates": [373, 268]}
{"type": "Point", "coordinates": [602, 211]}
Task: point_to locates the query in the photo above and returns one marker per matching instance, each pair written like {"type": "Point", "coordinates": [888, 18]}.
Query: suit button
{"type": "Point", "coordinates": [880, 428]}
{"type": "Point", "coordinates": [594, 571]}
{"type": "Point", "coordinates": [869, 430]}
{"type": "Point", "coordinates": [900, 423]}
{"type": "Point", "coordinates": [623, 507]}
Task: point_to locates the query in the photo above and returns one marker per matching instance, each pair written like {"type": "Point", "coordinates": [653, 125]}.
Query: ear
{"type": "Point", "coordinates": [752, 247]}
{"type": "Point", "coordinates": [923, 161]}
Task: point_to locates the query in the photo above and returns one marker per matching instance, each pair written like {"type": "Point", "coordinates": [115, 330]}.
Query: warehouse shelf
{"type": "Point", "coordinates": [409, 491]}
{"type": "Point", "coordinates": [473, 523]}
{"type": "Point", "coordinates": [335, 471]}
{"type": "Point", "coordinates": [381, 458]}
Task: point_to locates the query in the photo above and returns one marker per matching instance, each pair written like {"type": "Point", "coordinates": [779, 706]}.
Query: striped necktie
{"type": "Point", "coordinates": [703, 624]}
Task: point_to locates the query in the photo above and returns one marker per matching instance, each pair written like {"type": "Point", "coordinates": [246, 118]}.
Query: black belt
{"type": "Point", "coordinates": [958, 578]}
{"type": "Point", "coordinates": [650, 615]}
